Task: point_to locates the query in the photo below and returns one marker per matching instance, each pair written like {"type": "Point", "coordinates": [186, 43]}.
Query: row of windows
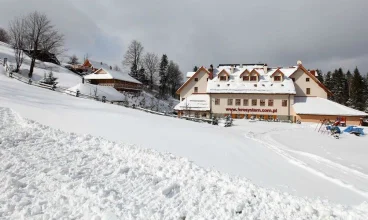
{"type": "Point", "coordinates": [308, 90]}
{"type": "Point", "coordinates": [262, 102]}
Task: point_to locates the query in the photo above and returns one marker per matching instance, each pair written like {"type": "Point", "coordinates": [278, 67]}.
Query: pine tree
{"type": "Point", "coordinates": [163, 75]}
{"type": "Point", "coordinates": [328, 82]}
{"type": "Point", "coordinates": [349, 77]}
{"type": "Point", "coordinates": [357, 100]}
{"type": "Point", "coordinates": [319, 75]}
{"type": "Point", "coordinates": [134, 71]}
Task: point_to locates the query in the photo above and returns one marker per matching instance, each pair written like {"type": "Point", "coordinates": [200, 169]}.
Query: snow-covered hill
{"type": "Point", "coordinates": [66, 78]}
{"type": "Point", "coordinates": [258, 170]}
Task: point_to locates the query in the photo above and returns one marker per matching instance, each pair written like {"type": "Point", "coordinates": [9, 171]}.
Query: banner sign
{"type": "Point", "coordinates": [251, 110]}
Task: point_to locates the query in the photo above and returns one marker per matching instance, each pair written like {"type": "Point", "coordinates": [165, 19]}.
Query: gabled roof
{"type": "Point", "coordinates": [255, 71]}
{"type": "Point", "coordinates": [224, 71]}
{"type": "Point", "coordinates": [314, 79]}
{"type": "Point", "coordinates": [111, 74]}
{"type": "Point", "coordinates": [192, 77]}
{"type": "Point", "coordinates": [277, 71]}
{"type": "Point", "coordinates": [246, 70]}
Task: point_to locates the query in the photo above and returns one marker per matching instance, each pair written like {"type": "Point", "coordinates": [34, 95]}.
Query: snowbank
{"type": "Point", "coordinates": [110, 93]}
{"type": "Point", "coordinates": [47, 173]}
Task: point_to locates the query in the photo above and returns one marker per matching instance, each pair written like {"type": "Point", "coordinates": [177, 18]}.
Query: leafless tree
{"type": "Point", "coordinates": [133, 57]}
{"type": "Point", "coordinates": [17, 30]}
{"type": "Point", "coordinates": [4, 36]}
{"type": "Point", "coordinates": [151, 64]}
{"type": "Point", "coordinates": [117, 68]}
{"type": "Point", "coordinates": [42, 36]}
{"type": "Point", "coordinates": [73, 60]}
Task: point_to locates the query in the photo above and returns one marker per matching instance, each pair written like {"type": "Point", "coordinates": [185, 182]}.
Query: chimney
{"type": "Point", "coordinates": [211, 72]}
{"type": "Point", "coordinates": [265, 68]}
{"type": "Point", "coordinates": [231, 69]}
{"type": "Point", "coordinates": [299, 63]}
{"type": "Point", "coordinates": [313, 72]}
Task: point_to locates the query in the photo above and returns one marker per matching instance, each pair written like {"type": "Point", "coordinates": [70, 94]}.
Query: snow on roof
{"type": "Point", "coordinates": [235, 84]}
{"type": "Point", "coordinates": [321, 106]}
{"type": "Point", "coordinates": [99, 65]}
{"type": "Point", "coordinates": [110, 93]}
{"type": "Point", "coordinates": [190, 74]}
{"type": "Point", "coordinates": [197, 102]}
{"type": "Point", "coordinates": [111, 74]}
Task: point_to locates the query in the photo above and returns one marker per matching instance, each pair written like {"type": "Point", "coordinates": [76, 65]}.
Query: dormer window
{"type": "Point", "coordinates": [245, 78]}
{"type": "Point", "coordinates": [253, 78]}
{"type": "Point", "coordinates": [277, 78]}
{"type": "Point", "coordinates": [222, 78]}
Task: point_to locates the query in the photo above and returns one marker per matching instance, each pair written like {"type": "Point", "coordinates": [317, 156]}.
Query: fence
{"type": "Point", "coordinates": [19, 77]}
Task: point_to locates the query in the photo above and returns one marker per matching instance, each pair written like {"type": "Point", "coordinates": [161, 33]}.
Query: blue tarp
{"type": "Point", "coordinates": [353, 129]}
{"type": "Point", "coordinates": [333, 129]}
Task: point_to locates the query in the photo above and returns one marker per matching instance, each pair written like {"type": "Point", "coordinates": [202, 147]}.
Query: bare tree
{"type": "Point", "coordinates": [73, 60]}
{"type": "Point", "coordinates": [133, 57]}
{"type": "Point", "coordinates": [42, 36]}
{"type": "Point", "coordinates": [151, 64]}
{"type": "Point", "coordinates": [117, 68]}
{"type": "Point", "coordinates": [17, 29]}
{"type": "Point", "coordinates": [4, 36]}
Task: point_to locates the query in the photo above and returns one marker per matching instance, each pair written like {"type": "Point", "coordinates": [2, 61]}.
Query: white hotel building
{"type": "Point", "coordinates": [244, 90]}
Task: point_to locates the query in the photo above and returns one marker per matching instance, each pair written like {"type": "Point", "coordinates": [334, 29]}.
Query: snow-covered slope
{"type": "Point", "coordinates": [48, 173]}
{"type": "Point", "coordinates": [288, 158]}
{"type": "Point", "coordinates": [66, 78]}
{"type": "Point", "coordinates": [110, 93]}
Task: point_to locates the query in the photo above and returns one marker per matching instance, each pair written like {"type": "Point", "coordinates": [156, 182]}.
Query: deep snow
{"type": "Point", "coordinates": [289, 158]}
{"type": "Point", "coordinates": [47, 173]}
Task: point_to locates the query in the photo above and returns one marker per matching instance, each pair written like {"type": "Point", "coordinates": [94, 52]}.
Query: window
{"type": "Point", "coordinates": [270, 102]}
{"type": "Point", "coordinates": [230, 102]}
{"type": "Point", "coordinates": [293, 79]}
{"type": "Point", "coordinates": [262, 102]}
{"type": "Point", "coordinates": [245, 102]}
{"type": "Point", "coordinates": [222, 78]}
{"type": "Point", "coordinates": [284, 103]}
{"type": "Point", "coordinates": [277, 78]}
{"type": "Point", "coordinates": [237, 102]}
{"type": "Point", "coordinates": [253, 78]}
{"type": "Point", "coordinates": [207, 79]}
{"type": "Point", "coordinates": [182, 99]}
{"type": "Point", "coordinates": [217, 101]}
{"type": "Point", "coordinates": [195, 89]}
{"type": "Point", "coordinates": [308, 91]}
{"type": "Point", "coordinates": [307, 79]}
{"type": "Point", "coordinates": [196, 114]}
{"type": "Point", "coordinates": [245, 78]}
{"type": "Point", "coordinates": [196, 79]}
{"type": "Point", "coordinates": [254, 102]}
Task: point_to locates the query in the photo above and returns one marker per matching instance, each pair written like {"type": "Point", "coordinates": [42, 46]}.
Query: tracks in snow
{"type": "Point", "coordinates": [47, 173]}
{"type": "Point", "coordinates": [309, 159]}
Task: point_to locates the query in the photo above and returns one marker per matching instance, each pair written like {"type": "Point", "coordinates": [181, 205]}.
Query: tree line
{"type": "Point", "coordinates": [155, 73]}
{"type": "Point", "coordinates": [349, 89]}
{"type": "Point", "coordinates": [33, 33]}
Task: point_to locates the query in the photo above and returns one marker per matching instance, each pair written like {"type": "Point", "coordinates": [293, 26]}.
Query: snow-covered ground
{"type": "Point", "coordinates": [280, 159]}
{"type": "Point", "coordinates": [66, 78]}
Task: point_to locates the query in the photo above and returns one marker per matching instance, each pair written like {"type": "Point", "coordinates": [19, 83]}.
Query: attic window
{"type": "Point", "coordinates": [263, 84]}
{"type": "Point", "coordinates": [245, 78]}
{"type": "Point", "coordinates": [277, 78]}
{"type": "Point", "coordinates": [307, 79]}
{"type": "Point", "coordinates": [228, 84]}
{"type": "Point", "coordinates": [282, 84]}
{"type": "Point", "coordinates": [218, 85]}
{"type": "Point", "coordinates": [253, 78]}
{"type": "Point", "coordinates": [222, 78]}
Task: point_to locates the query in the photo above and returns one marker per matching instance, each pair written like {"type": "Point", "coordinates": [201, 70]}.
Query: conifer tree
{"type": "Point", "coordinates": [320, 75]}
{"type": "Point", "coordinates": [357, 99]}
{"type": "Point", "coordinates": [163, 75]}
{"type": "Point", "coordinates": [328, 81]}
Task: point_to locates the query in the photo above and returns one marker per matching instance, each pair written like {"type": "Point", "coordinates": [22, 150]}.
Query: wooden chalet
{"type": "Point", "coordinates": [120, 81]}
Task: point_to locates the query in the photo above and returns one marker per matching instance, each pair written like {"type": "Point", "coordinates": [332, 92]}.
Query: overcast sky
{"type": "Point", "coordinates": [323, 34]}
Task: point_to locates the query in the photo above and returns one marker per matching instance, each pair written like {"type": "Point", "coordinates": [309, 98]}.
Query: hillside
{"type": "Point", "coordinates": [139, 178]}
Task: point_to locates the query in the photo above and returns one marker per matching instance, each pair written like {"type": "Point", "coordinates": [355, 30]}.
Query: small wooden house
{"type": "Point", "coordinates": [120, 81]}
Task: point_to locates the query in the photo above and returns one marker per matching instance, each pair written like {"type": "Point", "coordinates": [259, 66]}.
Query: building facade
{"type": "Point", "coordinates": [246, 90]}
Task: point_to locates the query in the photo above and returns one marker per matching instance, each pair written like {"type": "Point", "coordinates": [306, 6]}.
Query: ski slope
{"type": "Point", "coordinates": [285, 162]}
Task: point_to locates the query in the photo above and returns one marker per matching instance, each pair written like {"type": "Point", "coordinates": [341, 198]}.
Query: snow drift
{"type": "Point", "coordinates": [47, 173]}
